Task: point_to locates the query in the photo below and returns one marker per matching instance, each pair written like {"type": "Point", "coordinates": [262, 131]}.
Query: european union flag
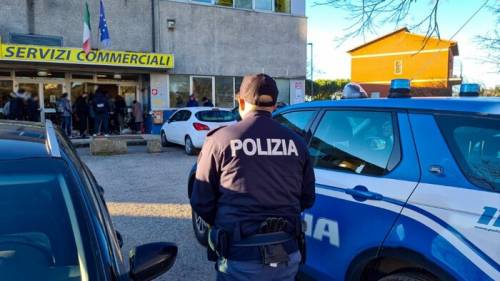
{"type": "Point", "coordinates": [103, 27]}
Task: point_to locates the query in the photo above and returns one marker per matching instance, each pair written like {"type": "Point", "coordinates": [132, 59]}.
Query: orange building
{"type": "Point", "coordinates": [401, 54]}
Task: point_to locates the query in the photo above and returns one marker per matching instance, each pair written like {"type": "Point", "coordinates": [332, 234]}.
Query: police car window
{"type": "Point", "coordinates": [296, 120]}
{"type": "Point", "coordinates": [475, 144]}
{"type": "Point", "coordinates": [354, 141]}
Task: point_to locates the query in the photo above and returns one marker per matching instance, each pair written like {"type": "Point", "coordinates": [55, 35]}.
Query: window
{"type": "Point", "coordinates": [179, 90]}
{"type": "Point", "coordinates": [296, 121]}
{"type": "Point", "coordinates": [6, 88]}
{"type": "Point", "coordinates": [284, 90]}
{"type": "Point", "coordinates": [354, 141]}
{"type": "Point", "coordinates": [282, 6]}
{"type": "Point", "coordinates": [243, 4]}
{"type": "Point", "coordinates": [42, 223]}
{"type": "Point", "coordinates": [266, 5]}
{"type": "Point", "coordinates": [227, 3]}
{"type": "Point", "coordinates": [237, 85]}
{"type": "Point", "coordinates": [215, 116]}
{"type": "Point", "coordinates": [203, 1]}
{"type": "Point", "coordinates": [182, 115]}
{"type": "Point", "coordinates": [475, 144]}
{"type": "Point", "coordinates": [398, 67]}
{"type": "Point", "coordinates": [224, 93]}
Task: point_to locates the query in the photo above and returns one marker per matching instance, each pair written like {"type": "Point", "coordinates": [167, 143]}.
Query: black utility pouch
{"type": "Point", "coordinates": [275, 253]}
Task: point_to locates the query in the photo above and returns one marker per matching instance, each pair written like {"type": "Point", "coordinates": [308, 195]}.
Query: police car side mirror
{"type": "Point", "coordinates": [151, 260]}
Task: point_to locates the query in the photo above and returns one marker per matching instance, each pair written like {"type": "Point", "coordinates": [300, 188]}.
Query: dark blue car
{"type": "Point", "coordinates": [54, 223]}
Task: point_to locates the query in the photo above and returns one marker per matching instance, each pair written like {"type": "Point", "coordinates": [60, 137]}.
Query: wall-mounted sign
{"type": "Point", "coordinates": [158, 117]}
{"type": "Point", "coordinates": [297, 91]}
{"type": "Point", "coordinates": [154, 92]}
{"type": "Point", "coordinates": [32, 53]}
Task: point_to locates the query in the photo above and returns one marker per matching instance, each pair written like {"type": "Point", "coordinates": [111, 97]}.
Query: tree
{"type": "Point", "coordinates": [368, 14]}
{"type": "Point", "coordinates": [325, 89]}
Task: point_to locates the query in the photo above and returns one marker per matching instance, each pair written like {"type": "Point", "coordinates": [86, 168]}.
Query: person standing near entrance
{"type": "Point", "coordinates": [137, 113]}
{"type": "Point", "coordinates": [82, 110]}
{"type": "Point", "coordinates": [100, 105]}
{"type": "Point", "coordinates": [192, 102]}
{"type": "Point", "coordinates": [17, 106]}
{"type": "Point", "coordinates": [64, 109]}
{"type": "Point", "coordinates": [33, 108]}
{"type": "Point", "coordinates": [207, 102]}
{"type": "Point", "coordinates": [120, 110]}
{"type": "Point", "coordinates": [253, 180]}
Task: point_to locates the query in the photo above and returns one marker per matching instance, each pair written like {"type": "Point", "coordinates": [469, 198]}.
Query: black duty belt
{"type": "Point", "coordinates": [264, 239]}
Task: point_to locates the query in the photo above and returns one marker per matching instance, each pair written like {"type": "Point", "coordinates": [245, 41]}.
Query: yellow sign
{"type": "Point", "coordinates": [32, 53]}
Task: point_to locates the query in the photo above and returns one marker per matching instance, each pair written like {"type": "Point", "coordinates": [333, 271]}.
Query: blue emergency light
{"type": "Point", "coordinates": [400, 84]}
{"type": "Point", "coordinates": [400, 88]}
{"type": "Point", "coordinates": [469, 90]}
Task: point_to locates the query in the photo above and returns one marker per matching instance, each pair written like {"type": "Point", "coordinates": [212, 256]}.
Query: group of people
{"type": "Point", "coordinates": [98, 114]}
{"type": "Point", "coordinates": [192, 102]}
{"type": "Point", "coordinates": [94, 114]}
{"type": "Point", "coordinates": [21, 105]}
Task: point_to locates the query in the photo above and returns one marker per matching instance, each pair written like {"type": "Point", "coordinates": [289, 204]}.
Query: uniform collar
{"type": "Point", "coordinates": [259, 113]}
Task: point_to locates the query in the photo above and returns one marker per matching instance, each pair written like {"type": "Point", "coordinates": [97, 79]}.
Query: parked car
{"type": "Point", "coordinates": [407, 189]}
{"type": "Point", "coordinates": [189, 126]}
{"type": "Point", "coordinates": [54, 221]}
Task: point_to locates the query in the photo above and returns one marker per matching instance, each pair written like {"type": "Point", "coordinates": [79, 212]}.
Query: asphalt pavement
{"type": "Point", "coordinates": [147, 198]}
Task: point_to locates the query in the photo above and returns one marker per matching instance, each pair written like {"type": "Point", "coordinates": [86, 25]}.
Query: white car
{"type": "Point", "coordinates": [189, 126]}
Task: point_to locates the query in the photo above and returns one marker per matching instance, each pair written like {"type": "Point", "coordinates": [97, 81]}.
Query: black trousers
{"type": "Point", "coordinates": [82, 123]}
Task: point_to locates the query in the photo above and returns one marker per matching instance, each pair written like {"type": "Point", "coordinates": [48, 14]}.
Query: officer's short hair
{"type": "Point", "coordinates": [259, 90]}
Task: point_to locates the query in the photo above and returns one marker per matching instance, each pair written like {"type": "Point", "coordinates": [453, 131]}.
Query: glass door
{"type": "Point", "coordinates": [52, 93]}
{"type": "Point", "coordinates": [202, 86]}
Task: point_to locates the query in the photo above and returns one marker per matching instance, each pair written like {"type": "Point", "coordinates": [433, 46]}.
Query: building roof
{"type": "Point", "coordinates": [20, 140]}
{"type": "Point", "coordinates": [481, 105]}
{"type": "Point", "coordinates": [452, 44]}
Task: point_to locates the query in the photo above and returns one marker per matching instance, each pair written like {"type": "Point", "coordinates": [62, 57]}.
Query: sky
{"type": "Point", "coordinates": [331, 61]}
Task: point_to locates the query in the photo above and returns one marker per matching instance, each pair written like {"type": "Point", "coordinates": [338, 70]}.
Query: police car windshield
{"type": "Point", "coordinates": [475, 143]}
{"type": "Point", "coordinates": [39, 234]}
{"type": "Point", "coordinates": [215, 116]}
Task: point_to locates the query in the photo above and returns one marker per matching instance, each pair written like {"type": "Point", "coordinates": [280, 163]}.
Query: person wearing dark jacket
{"type": "Point", "coordinates": [253, 180]}
{"type": "Point", "coordinates": [207, 102]}
{"type": "Point", "coordinates": [120, 111]}
{"type": "Point", "coordinates": [100, 106]}
{"type": "Point", "coordinates": [192, 101]}
{"type": "Point", "coordinates": [18, 105]}
{"type": "Point", "coordinates": [82, 110]}
{"type": "Point", "coordinates": [32, 109]}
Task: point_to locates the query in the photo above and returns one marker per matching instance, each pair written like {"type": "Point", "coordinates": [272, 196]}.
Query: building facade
{"type": "Point", "coordinates": [401, 54]}
{"type": "Point", "coordinates": [161, 51]}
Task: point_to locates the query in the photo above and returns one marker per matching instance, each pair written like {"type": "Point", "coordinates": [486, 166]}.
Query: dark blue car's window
{"type": "Point", "coordinates": [475, 144]}
{"type": "Point", "coordinates": [361, 142]}
{"type": "Point", "coordinates": [40, 231]}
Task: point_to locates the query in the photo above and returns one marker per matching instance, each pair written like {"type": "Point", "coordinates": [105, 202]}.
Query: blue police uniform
{"type": "Point", "coordinates": [248, 172]}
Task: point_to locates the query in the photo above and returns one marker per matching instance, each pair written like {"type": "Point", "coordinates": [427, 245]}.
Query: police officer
{"type": "Point", "coordinates": [252, 181]}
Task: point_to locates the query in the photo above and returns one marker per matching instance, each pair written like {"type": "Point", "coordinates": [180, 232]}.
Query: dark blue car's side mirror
{"type": "Point", "coordinates": [151, 260]}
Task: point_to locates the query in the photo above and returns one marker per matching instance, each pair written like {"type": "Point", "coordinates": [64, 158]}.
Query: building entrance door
{"type": "Point", "coordinates": [52, 93]}
{"type": "Point", "coordinates": [202, 86]}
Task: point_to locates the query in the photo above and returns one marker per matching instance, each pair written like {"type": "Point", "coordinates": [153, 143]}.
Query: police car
{"type": "Point", "coordinates": [407, 189]}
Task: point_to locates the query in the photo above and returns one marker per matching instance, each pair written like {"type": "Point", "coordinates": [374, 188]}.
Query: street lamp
{"type": "Point", "coordinates": [312, 70]}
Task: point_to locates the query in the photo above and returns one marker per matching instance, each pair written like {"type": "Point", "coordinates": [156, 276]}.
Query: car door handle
{"type": "Point", "coordinates": [361, 193]}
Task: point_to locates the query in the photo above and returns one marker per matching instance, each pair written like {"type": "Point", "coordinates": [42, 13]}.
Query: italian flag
{"type": "Point", "coordinates": [86, 29]}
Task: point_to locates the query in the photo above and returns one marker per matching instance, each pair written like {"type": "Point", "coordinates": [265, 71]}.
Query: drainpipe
{"type": "Point", "coordinates": [153, 25]}
{"type": "Point", "coordinates": [30, 14]}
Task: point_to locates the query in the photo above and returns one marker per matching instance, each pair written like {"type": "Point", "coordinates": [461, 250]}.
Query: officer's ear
{"type": "Point", "coordinates": [241, 104]}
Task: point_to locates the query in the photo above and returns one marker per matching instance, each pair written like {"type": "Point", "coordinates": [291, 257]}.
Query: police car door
{"type": "Point", "coordinates": [453, 217]}
{"type": "Point", "coordinates": [362, 182]}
